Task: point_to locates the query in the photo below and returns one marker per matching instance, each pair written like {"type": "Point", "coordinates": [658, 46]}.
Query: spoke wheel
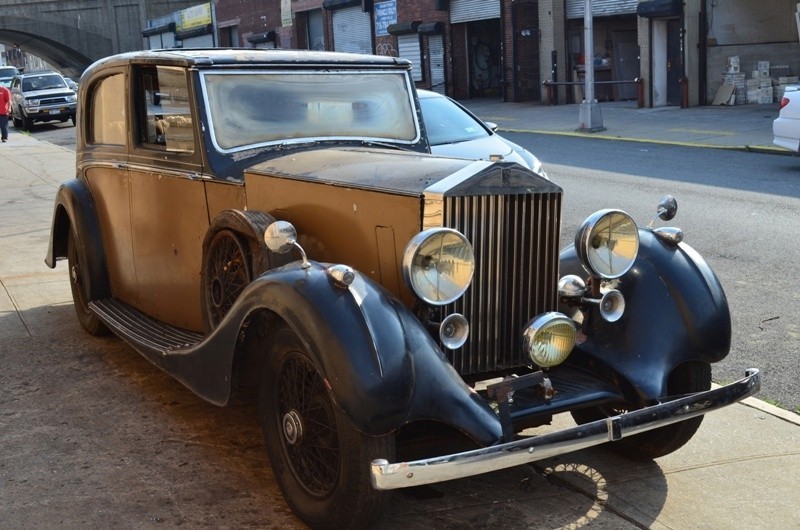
{"type": "Point", "coordinates": [320, 461]}
{"type": "Point", "coordinates": [77, 279]}
{"type": "Point", "coordinates": [687, 378]}
{"type": "Point", "coordinates": [226, 273]}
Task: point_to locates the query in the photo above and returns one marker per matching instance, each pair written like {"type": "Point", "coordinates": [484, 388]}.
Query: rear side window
{"type": "Point", "coordinates": [108, 121]}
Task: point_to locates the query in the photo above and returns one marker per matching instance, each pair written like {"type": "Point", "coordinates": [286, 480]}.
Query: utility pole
{"type": "Point", "coordinates": [590, 119]}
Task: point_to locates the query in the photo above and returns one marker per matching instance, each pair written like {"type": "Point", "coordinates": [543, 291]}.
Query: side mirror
{"type": "Point", "coordinates": [492, 125]}
{"type": "Point", "coordinates": [667, 208]}
{"type": "Point", "coordinates": [281, 237]}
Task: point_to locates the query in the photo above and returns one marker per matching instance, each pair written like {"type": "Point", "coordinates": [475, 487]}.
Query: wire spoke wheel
{"type": "Point", "coordinates": [309, 427]}
{"type": "Point", "coordinates": [226, 273]}
{"type": "Point", "coordinates": [319, 459]}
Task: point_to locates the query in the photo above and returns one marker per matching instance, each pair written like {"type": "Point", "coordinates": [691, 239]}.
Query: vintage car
{"type": "Point", "coordinates": [270, 224]}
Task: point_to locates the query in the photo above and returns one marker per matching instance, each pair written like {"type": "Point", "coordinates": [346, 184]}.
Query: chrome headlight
{"type": "Point", "coordinates": [31, 102]}
{"type": "Point", "coordinates": [71, 99]}
{"type": "Point", "coordinates": [607, 243]}
{"type": "Point", "coordinates": [548, 339]}
{"type": "Point", "coordinates": [438, 264]}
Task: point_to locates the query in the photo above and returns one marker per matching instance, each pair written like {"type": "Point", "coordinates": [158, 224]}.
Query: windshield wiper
{"type": "Point", "coordinates": [371, 143]}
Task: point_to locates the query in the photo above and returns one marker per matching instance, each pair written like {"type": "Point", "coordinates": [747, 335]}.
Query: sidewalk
{"type": "Point", "coordinates": [744, 127]}
{"type": "Point", "coordinates": [741, 470]}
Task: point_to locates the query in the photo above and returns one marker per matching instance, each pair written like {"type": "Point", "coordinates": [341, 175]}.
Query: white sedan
{"type": "Point", "coordinates": [786, 126]}
{"type": "Point", "coordinates": [455, 131]}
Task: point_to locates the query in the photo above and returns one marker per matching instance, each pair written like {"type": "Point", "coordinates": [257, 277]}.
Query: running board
{"type": "Point", "coordinates": [141, 331]}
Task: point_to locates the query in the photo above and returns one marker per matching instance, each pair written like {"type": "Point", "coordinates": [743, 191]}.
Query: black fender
{"type": "Point", "coordinates": [75, 209]}
{"type": "Point", "coordinates": [675, 311]}
{"type": "Point", "coordinates": [381, 365]}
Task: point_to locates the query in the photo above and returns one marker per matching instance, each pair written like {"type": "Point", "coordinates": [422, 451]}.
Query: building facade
{"type": "Point", "coordinates": [682, 50]}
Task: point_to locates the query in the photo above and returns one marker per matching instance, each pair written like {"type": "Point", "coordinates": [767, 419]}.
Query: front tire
{"type": "Point", "coordinates": [685, 379]}
{"type": "Point", "coordinates": [27, 123]}
{"type": "Point", "coordinates": [320, 461]}
{"type": "Point", "coordinates": [77, 279]}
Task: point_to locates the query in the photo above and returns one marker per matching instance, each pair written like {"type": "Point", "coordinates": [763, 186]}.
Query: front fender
{"type": "Point", "coordinates": [382, 366]}
{"type": "Point", "coordinates": [676, 311]}
{"type": "Point", "coordinates": [74, 207]}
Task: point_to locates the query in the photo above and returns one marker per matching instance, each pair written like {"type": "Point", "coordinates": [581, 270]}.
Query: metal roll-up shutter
{"type": "Point", "coordinates": [408, 48]}
{"type": "Point", "coordinates": [601, 8]}
{"type": "Point", "coordinates": [469, 10]}
{"type": "Point", "coordinates": [203, 41]}
{"type": "Point", "coordinates": [352, 31]}
{"type": "Point", "coordinates": [436, 54]}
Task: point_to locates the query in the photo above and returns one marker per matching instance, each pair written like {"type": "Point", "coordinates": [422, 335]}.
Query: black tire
{"type": "Point", "coordinates": [77, 279]}
{"type": "Point", "coordinates": [226, 273]}
{"type": "Point", "coordinates": [686, 378]}
{"type": "Point", "coordinates": [72, 118]}
{"type": "Point", "coordinates": [320, 461]}
{"type": "Point", "coordinates": [27, 123]}
{"type": "Point", "coordinates": [17, 122]}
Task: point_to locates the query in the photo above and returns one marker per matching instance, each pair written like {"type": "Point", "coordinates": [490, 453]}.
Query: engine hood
{"type": "Point", "coordinates": [401, 172]}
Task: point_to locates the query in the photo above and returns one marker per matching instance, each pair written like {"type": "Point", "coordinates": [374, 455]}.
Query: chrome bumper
{"type": "Point", "coordinates": [386, 476]}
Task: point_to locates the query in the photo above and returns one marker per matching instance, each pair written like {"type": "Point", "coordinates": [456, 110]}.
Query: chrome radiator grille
{"type": "Point", "coordinates": [515, 238]}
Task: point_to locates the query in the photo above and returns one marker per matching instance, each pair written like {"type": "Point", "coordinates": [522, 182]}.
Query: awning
{"type": "Point", "coordinates": [258, 38]}
{"type": "Point", "coordinates": [403, 28]}
{"type": "Point", "coordinates": [366, 5]}
{"type": "Point", "coordinates": [431, 28]}
{"type": "Point", "coordinates": [157, 30]}
{"type": "Point", "coordinates": [660, 8]}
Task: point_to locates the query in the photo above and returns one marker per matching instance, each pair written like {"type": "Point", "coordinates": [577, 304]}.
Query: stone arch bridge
{"type": "Point", "coordinates": [72, 34]}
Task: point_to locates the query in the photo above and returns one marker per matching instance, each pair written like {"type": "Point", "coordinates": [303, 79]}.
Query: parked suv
{"type": "Point", "coordinates": [271, 225]}
{"type": "Point", "coordinates": [41, 96]}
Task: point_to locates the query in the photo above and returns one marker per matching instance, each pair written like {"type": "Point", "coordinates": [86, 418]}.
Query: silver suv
{"type": "Point", "coordinates": [41, 96]}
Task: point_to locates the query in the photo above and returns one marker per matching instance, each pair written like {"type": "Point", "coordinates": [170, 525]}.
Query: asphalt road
{"type": "Point", "coordinates": [739, 210]}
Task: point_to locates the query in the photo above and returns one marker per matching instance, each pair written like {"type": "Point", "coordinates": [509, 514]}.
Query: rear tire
{"type": "Point", "coordinates": [77, 279]}
{"type": "Point", "coordinates": [686, 378]}
{"type": "Point", "coordinates": [320, 461]}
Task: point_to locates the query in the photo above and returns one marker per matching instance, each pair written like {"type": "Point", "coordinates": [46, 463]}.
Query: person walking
{"type": "Point", "coordinates": [5, 112]}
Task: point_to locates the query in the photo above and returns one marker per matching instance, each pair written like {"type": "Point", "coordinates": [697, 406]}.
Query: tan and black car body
{"type": "Point", "coordinates": [270, 223]}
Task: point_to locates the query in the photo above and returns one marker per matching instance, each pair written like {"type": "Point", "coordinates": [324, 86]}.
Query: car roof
{"type": "Point", "coordinates": [248, 57]}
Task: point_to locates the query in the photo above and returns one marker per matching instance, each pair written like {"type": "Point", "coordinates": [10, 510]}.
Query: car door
{"type": "Point", "coordinates": [103, 163]}
{"type": "Point", "coordinates": [169, 217]}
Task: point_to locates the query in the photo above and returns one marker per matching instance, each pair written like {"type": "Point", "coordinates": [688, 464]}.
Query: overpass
{"type": "Point", "coordinates": [72, 34]}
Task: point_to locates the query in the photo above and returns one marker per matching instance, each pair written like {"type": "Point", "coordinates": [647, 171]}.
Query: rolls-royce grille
{"type": "Point", "coordinates": [515, 239]}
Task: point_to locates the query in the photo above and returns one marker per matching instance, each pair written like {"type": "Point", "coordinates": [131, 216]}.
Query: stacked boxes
{"type": "Point", "coordinates": [765, 83]}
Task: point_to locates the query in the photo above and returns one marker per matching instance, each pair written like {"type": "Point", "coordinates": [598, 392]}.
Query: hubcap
{"type": "Point", "coordinates": [292, 427]}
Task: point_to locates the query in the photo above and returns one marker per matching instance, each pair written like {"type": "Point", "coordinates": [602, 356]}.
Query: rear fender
{"type": "Point", "coordinates": [381, 365]}
{"type": "Point", "coordinates": [74, 209]}
{"type": "Point", "coordinates": [675, 311]}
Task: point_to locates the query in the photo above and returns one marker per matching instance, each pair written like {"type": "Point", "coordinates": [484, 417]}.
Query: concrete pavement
{"type": "Point", "coordinates": [744, 127]}
{"type": "Point", "coordinates": [174, 460]}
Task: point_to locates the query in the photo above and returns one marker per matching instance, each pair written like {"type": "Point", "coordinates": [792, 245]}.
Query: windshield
{"type": "Point", "coordinates": [247, 109]}
{"type": "Point", "coordinates": [43, 82]}
{"type": "Point", "coordinates": [447, 123]}
{"type": "Point", "coordinates": [7, 71]}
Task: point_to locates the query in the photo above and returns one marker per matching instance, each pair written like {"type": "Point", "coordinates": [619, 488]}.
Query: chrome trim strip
{"type": "Point", "coordinates": [451, 181]}
{"type": "Point", "coordinates": [386, 476]}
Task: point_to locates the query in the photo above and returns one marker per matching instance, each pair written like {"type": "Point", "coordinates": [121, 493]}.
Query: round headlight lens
{"type": "Point", "coordinates": [438, 264]}
{"type": "Point", "coordinates": [548, 339]}
{"type": "Point", "coordinates": [607, 243]}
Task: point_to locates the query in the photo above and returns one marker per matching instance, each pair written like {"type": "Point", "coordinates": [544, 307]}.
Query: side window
{"type": "Point", "coordinates": [107, 121]}
{"type": "Point", "coordinates": [165, 115]}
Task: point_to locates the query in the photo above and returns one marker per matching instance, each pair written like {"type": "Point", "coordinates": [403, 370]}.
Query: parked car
{"type": "Point", "coordinates": [270, 224]}
{"type": "Point", "coordinates": [41, 97]}
{"type": "Point", "coordinates": [455, 131]}
{"type": "Point", "coordinates": [786, 127]}
{"type": "Point", "coordinates": [7, 73]}
{"type": "Point", "coordinates": [71, 84]}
